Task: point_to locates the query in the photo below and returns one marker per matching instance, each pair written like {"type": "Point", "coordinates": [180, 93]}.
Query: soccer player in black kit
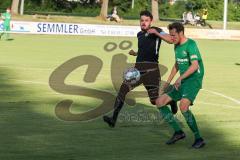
{"type": "Point", "coordinates": [149, 41]}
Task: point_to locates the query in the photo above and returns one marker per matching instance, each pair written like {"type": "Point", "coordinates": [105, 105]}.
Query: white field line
{"type": "Point", "coordinates": [39, 68]}
{"type": "Point", "coordinates": [222, 95]}
{"type": "Point", "coordinates": [25, 68]}
{"type": "Point", "coordinates": [209, 91]}
{"type": "Point", "coordinates": [215, 104]}
{"type": "Point", "coordinates": [47, 84]}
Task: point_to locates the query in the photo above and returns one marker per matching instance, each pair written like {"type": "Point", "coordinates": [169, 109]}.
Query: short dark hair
{"type": "Point", "coordinates": [176, 25]}
{"type": "Point", "coordinates": [147, 14]}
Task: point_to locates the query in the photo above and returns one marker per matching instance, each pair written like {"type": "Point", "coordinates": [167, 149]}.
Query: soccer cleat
{"type": "Point", "coordinates": [174, 107]}
{"type": "Point", "coordinates": [199, 143]}
{"type": "Point", "coordinates": [109, 121]}
{"type": "Point", "coordinates": [176, 137]}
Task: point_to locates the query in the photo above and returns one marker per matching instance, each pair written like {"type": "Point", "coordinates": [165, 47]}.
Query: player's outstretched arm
{"type": "Point", "coordinates": [132, 52]}
{"type": "Point", "coordinates": [164, 36]}
{"type": "Point", "coordinates": [2, 17]}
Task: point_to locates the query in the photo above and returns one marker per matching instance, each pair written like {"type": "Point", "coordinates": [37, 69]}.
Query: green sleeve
{"type": "Point", "coordinates": [193, 52]}
{"type": "Point", "coordinates": [4, 15]}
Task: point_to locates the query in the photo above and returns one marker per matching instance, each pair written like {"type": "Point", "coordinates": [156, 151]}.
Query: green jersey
{"type": "Point", "coordinates": [6, 18]}
{"type": "Point", "coordinates": [185, 54]}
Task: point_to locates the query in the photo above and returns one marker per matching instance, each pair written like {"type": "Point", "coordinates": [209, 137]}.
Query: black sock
{"type": "Point", "coordinates": [117, 107]}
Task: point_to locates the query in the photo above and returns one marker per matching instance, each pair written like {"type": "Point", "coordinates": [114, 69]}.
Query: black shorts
{"type": "Point", "coordinates": [150, 78]}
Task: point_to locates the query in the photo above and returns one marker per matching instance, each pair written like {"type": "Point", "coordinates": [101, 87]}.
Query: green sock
{"type": "Point", "coordinates": [7, 36]}
{"type": "Point", "coordinates": [4, 36]}
{"type": "Point", "coordinates": [168, 116]}
{"type": "Point", "coordinates": [1, 35]}
{"type": "Point", "coordinates": [189, 117]}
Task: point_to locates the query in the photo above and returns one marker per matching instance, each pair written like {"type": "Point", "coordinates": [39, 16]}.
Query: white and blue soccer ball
{"type": "Point", "coordinates": [131, 75]}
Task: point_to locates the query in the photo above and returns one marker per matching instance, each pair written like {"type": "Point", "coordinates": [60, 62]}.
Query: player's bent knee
{"type": "Point", "coordinates": [184, 104]}
{"type": "Point", "coordinates": [162, 101]}
{"type": "Point", "coordinates": [159, 102]}
{"type": "Point", "coordinates": [184, 108]}
{"type": "Point", "coordinates": [153, 101]}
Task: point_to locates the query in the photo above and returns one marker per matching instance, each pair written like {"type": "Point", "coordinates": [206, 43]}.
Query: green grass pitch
{"type": "Point", "coordinates": [31, 130]}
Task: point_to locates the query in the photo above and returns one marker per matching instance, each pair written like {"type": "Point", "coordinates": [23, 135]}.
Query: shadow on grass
{"type": "Point", "coordinates": [29, 130]}
{"type": "Point", "coordinates": [10, 39]}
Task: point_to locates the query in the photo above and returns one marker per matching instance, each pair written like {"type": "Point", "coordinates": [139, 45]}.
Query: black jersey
{"type": "Point", "coordinates": [148, 46]}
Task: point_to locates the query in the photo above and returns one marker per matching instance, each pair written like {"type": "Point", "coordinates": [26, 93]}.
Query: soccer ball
{"type": "Point", "coordinates": [131, 75]}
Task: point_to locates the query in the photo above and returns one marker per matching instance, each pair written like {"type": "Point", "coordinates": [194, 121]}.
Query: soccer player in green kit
{"type": "Point", "coordinates": [6, 23]}
{"type": "Point", "coordinates": [189, 64]}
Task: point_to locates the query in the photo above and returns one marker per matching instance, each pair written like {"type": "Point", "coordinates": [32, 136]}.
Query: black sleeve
{"type": "Point", "coordinates": [158, 29]}
{"type": "Point", "coordinates": [138, 34]}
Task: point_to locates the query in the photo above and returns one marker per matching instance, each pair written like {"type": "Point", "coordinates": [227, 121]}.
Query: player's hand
{"type": "Point", "coordinates": [165, 86]}
{"type": "Point", "coordinates": [152, 31]}
{"type": "Point", "coordinates": [177, 84]}
{"type": "Point", "coordinates": [132, 52]}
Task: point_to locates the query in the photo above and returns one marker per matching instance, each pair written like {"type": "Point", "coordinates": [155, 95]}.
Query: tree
{"type": "Point", "coordinates": [104, 9]}
{"type": "Point", "coordinates": [155, 10]}
{"type": "Point", "coordinates": [122, 5]}
{"type": "Point", "coordinates": [14, 7]}
{"type": "Point", "coordinates": [42, 2]}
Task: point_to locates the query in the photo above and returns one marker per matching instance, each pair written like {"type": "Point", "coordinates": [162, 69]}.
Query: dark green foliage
{"type": "Point", "coordinates": [172, 11]}
{"type": "Point", "coordinates": [138, 7]}
{"type": "Point", "coordinates": [91, 8]}
{"type": "Point", "coordinates": [5, 4]}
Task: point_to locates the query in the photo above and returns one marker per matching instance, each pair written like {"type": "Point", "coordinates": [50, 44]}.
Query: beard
{"type": "Point", "coordinates": [144, 28]}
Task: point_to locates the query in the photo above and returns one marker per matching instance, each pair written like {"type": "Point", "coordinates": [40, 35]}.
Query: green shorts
{"type": "Point", "coordinates": [6, 27]}
{"type": "Point", "coordinates": [188, 89]}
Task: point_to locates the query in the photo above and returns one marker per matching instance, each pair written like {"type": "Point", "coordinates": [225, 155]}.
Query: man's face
{"type": "Point", "coordinates": [176, 37]}
{"type": "Point", "coordinates": [8, 11]}
{"type": "Point", "coordinates": [145, 23]}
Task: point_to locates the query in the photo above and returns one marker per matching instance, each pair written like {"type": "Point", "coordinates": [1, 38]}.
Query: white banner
{"type": "Point", "coordinates": [213, 34]}
{"type": "Point", "coordinates": [110, 30]}
{"type": "Point", "coordinates": [72, 29]}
